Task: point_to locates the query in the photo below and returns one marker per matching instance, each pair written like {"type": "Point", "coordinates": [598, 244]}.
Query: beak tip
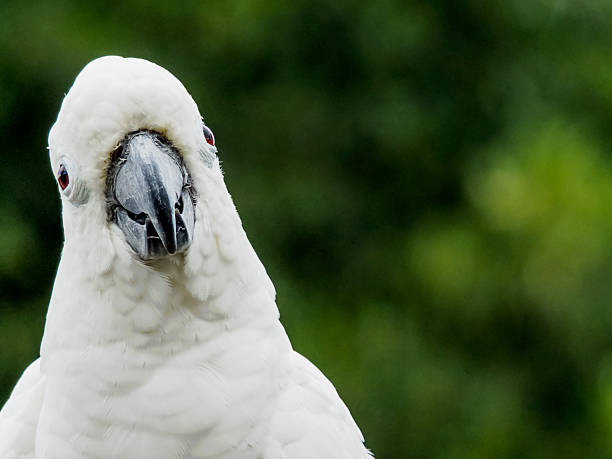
{"type": "Point", "coordinates": [161, 234]}
{"type": "Point", "coordinates": [169, 240]}
{"type": "Point", "coordinates": [171, 248]}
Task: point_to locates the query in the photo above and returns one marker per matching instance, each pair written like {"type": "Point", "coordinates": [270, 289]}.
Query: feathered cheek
{"type": "Point", "coordinates": [70, 184]}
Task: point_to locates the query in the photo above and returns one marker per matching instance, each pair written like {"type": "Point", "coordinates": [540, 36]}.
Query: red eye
{"type": "Point", "coordinates": [208, 135]}
{"type": "Point", "coordinates": [62, 177]}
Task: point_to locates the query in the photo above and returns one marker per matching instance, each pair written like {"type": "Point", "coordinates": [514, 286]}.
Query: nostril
{"type": "Point", "coordinates": [140, 218]}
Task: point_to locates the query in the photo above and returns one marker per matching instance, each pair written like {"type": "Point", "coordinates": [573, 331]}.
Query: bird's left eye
{"type": "Point", "coordinates": [208, 135]}
{"type": "Point", "coordinates": [63, 179]}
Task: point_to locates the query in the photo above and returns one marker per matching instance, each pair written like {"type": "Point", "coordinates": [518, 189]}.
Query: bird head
{"type": "Point", "coordinates": [129, 151]}
{"type": "Point", "coordinates": [149, 226]}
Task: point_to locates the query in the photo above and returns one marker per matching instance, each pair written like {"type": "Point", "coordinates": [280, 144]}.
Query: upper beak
{"type": "Point", "coordinates": [155, 209]}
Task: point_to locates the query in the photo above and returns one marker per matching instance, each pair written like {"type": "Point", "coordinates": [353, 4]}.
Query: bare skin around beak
{"type": "Point", "coordinates": [149, 191]}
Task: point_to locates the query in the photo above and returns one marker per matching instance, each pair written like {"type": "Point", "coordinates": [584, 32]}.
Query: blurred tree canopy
{"type": "Point", "coordinates": [428, 184]}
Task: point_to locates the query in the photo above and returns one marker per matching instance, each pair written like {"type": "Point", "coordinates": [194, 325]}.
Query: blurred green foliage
{"type": "Point", "coordinates": [428, 184]}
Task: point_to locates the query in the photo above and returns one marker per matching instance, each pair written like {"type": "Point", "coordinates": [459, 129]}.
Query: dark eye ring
{"type": "Point", "coordinates": [208, 135]}
{"type": "Point", "coordinates": [63, 179]}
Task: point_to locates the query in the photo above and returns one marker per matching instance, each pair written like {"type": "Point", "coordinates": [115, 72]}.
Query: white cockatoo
{"type": "Point", "coordinates": [162, 338]}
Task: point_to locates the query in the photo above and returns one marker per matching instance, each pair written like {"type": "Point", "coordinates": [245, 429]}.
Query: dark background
{"type": "Point", "coordinates": [428, 184]}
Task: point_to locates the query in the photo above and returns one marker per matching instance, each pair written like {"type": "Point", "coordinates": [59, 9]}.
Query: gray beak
{"type": "Point", "coordinates": [152, 198]}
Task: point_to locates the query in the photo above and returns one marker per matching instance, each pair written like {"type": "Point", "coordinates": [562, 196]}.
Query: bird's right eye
{"type": "Point", "coordinates": [63, 179]}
